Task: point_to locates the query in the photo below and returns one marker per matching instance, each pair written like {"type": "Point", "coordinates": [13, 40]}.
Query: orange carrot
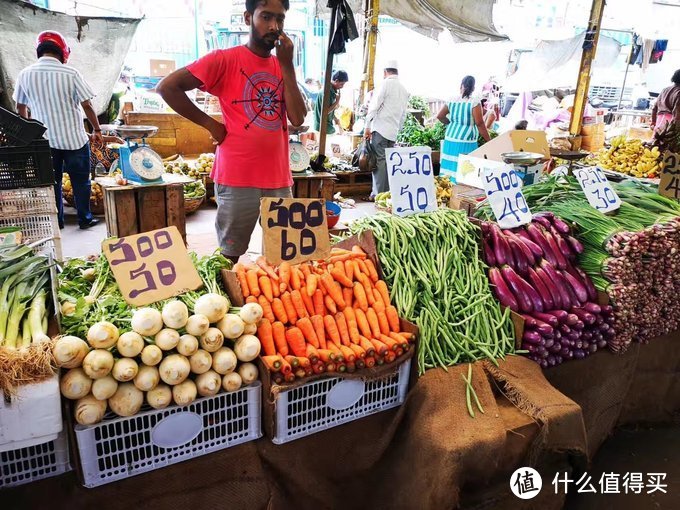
{"type": "Point", "coordinates": [378, 299]}
{"type": "Point", "coordinates": [319, 307]}
{"type": "Point", "coordinates": [381, 286]}
{"type": "Point", "coordinates": [393, 318]}
{"type": "Point", "coordinates": [307, 329]}
{"type": "Point", "coordinates": [380, 361]}
{"type": "Point", "coordinates": [349, 315]}
{"type": "Point", "coordinates": [351, 367]}
{"type": "Point", "coordinates": [262, 263]}
{"type": "Point", "coordinates": [277, 377]}
{"type": "Point", "coordinates": [348, 354]}
{"type": "Point", "coordinates": [363, 267]}
{"type": "Point", "coordinates": [309, 304]}
{"type": "Point", "coordinates": [380, 348]}
{"type": "Point", "coordinates": [362, 322]}
{"type": "Point", "coordinates": [331, 329]}
{"type": "Point", "coordinates": [296, 298]}
{"type": "Point", "coordinates": [358, 250]}
{"type": "Point", "coordinates": [341, 258]}
{"type": "Point", "coordinates": [383, 322]}
{"type": "Point", "coordinates": [333, 289]}
{"type": "Point", "coordinates": [306, 270]}
{"type": "Point", "coordinates": [317, 322]}
{"type": "Point", "coordinates": [337, 353]}
{"type": "Point", "coordinates": [341, 367]}
{"type": "Point", "coordinates": [367, 346]}
{"type": "Point", "coordinates": [285, 366]}
{"type": "Point", "coordinates": [391, 343]}
{"type": "Point", "coordinates": [289, 378]}
{"type": "Point", "coordinates": [293, 361]}
{"type": "Point", "coordinates": [340, 251]}
{"type": "Point", "coordinates": [340, 266]}
{"type": "Point", "coordinates": [341, 277]}
{"type": "Point", "coordinates": [390, 357]}
{"type": "Point", "coordinates": [331, 367]}
{"type": "Point", "coordinates": [265, 285]}
{"type": "Point", "coordinates": [352, 325]}
{"type": "Point", "coordinates": [372, 271]}
{"type": "Point", "coordinates": [370, 361]}
{"type": "Point", "coordinates": [368, 289]}
{"type": "Point", "coordinates": [294, 279]}
{"type": "Point", "coordinates": [312, 283]}
{"type": "Point", "coordinates": [276, 289]}
{"type": "Point", "coordinates": [284, 276]}
{"type": "Point", "coordinates": [251, 277]}
{"type": "Point", "coordinates": [264, 334]}
{"type": "Point", "coordinates": [325, 355]}
{"type": "Point", "coordinates": [401, 341]}
{"type": "Point", "coordinates": [279, 334]}
{"type": "Point", "coordinates": [253, 299]}
{"type": "Point", "coordinates": [319, 368]}
{"type": "Point", "coordinates": [289, 306]}
{"type": "Point", "coordinates": [296, 341]}
{"type": "Point", "coordinates": [331, 307]}
{"type": "Point", "coordinates": [342, 328]}
{"type": "Point", "coordinates": [304, 361]}
{"type": "Point", "coordinates": [408, 336]}
{"type": "Point", "coordinates": [273, 363]}
{"type": "Point", "coordinates": [373, 322]}
{"type": "Point", "coordinates": [312, 353]}
{"type": "Point", "coordinates": [242, 280]}
{"type": "Point", "coordinates": [349, 269]}
{"type": "Point", "coordinates": [357, 269]}
{"type": "Point", "coordinates": [358, 351]}
{"type": "Point", "coordinates": [360, 364]}
{"type": "Point", "coordinates": [348, 296]}
{"type": "Point", "coordinates": [279, 311]}
{"type": "Point", "coordinates": [399, 352]}
{"type": "Point", "coordinates": [360, 296]}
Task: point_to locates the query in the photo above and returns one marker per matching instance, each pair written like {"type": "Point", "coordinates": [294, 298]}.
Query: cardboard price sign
{"type": "Point", "coordinates": [503, 188]}
{"type": "Point", "coordinates": [294, 230]}
{"type": "Point", "coordinates": [598, 191]}
{"type": "Point", "coordinates": [152, 266]}
{"type": "Point", "coordinates": [669, 184]}
{"type": "Point", "coordinates": [409, 172]}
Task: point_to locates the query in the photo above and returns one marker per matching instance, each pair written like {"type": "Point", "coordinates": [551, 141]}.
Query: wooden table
{"type": "Point", "coordinates": [314, 185]}
{"type": "Point", "coordinates": [133, 209]}
{"type": "Point", "coordinates": [354, 183]}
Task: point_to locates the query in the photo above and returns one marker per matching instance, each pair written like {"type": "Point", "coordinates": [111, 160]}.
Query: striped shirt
{"type": "Point", "coordinates": [462, 127]}
{"type": "Point", "coordinates": [53, 91]}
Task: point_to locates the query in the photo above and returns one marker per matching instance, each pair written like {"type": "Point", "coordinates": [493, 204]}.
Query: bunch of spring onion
{"type": "Point", "coordinates": [24, 290]}
{"type": "Point", "coordinates": [432, 265]}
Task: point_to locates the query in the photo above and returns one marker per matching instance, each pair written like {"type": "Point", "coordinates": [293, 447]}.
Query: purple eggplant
{"type": "Point", "coordinates": [561, 226]}
{"type": "Point", "coordinates": [532, 337]}
{"type": "Point", "coordinates": [551, 360]}
{"type": "Point", "coordinates": [542, 220]}
{"type": "Point", "coordinates": [517, 243]}
{"type": "Point", "coordinates": [558, 285]}
{"type": "Point", "coordinates": [562, 245]}
{"type": "Point", "coordinates": [575, 245]}
{"type": "Point", "coordinates": [592, 348]}
{"type": "Point", "coordinates": [593, 308]}
{"type": "Point", "coordinates": [519, 289]}
{"type": "Point", "coordinates": [571, 319]}
{"type": "Point", "coordinates": [555, 348]}
{"type": "Point", "coordinates": [505, 297]}
{"type": "Point", "coordinates": [549, 284]}
{"type": "Point", "coordinates": [540, 287]}
{"type": "Point", "coordinates": [586, 317]}
{"type": "Point", "coordinates": [579, 326]}
{"type": "Point", "coordinates": [500, 245]}
{"type": "Point", "coordinates": [579, 289]}
{"type": "Point", "coordinates": [601, 344]}
{"type": "Point", "coordinates": [526, 239]}
{"type": "Point", "coordinates": [559, 256]}
{"type": "Point", "coordinates": [547, 318]}
{"type": "Point", "coordinates": [579, 354]}
{"type": "Point", "coordinates": [521, 264]}
{"type": "Point", "coordinates": [487, 253]}
{"type": "Point", "coordinates": [561, 315]}
{"type": "Point", "coordinates": [538, 236]}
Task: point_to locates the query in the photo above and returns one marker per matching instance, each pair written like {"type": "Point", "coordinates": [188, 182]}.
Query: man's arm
{"type": "Point", "coordinates": [295, 103]}
{"type": "Point", "coordinates": [173, 90]}
{"type": "Point", "coordinates": [92, 117]}
{"type": "Point", "coordinates": [374, 107]}
{"type": "Point", "coordinates": [655, 110]}
{"type": "Point", "coordinates": [22, 110]}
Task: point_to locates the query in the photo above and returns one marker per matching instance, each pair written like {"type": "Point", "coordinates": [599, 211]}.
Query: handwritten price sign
{"type": "Point", "coordinates": [409, 172]}
{"type": "Point", "coordinates": [294, 230]}
{"type": "Point", "coordinates": [597, 189]}
{"type": "Point", "coordinates": [503, 188]}
{"type": "Point", "coordinates": [669, 184]}
{"type": "Point", "coordinates": [152, 266]}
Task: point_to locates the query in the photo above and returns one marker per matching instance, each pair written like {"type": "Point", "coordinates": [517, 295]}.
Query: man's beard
{"type": "Point", "coordinates": [268, 42]}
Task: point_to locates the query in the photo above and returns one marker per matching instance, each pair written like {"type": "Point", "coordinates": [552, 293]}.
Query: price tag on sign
{"type": "Point", "coordinates": [669, 184]}
{"type": "Point", "coordinates": [409, 172]}
{"type": "Point", "coordinates": [503, 188]}
{"type": "Point", "coordinates": [597, 188]}
{"type": "Point", "coordinates": [152, 266]}
{"type": "Point", "coordinates": [294, 230]}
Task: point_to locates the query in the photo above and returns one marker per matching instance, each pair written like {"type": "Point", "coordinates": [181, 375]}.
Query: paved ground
{"type": "Point", "coordinates": [200, 231]}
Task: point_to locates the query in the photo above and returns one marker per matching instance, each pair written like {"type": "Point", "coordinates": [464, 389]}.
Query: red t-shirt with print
{"type": "Point", "coordinates": [250, 90]}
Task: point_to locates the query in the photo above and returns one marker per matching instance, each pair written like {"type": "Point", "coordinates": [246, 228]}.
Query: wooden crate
{"type": "Point", "coordinates": [314, 185]}
{"type": "Point", "coordinates": [354, 183]}
{"type": "Point", "coordinates": [135, 209]}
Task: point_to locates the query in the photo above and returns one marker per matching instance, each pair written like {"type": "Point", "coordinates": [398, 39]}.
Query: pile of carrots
{"type": "Point", "coordinates": [328, 316]}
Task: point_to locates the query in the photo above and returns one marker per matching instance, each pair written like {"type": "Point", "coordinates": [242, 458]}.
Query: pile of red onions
{"type": "Point", "coordinates": [532, 271]}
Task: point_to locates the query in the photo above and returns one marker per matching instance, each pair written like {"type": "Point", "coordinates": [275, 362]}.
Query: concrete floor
{"type": "Point", "coordinates": [200, 231]}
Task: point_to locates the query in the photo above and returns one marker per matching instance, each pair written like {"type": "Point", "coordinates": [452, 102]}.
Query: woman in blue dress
{"type": "Point", "coordinates": [464, 119]}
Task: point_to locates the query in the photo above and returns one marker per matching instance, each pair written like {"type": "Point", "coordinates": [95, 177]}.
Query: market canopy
{"type": "Point", "coordinates": [467, 20]}
{"type": "Point", "coordinates": [554, 64]}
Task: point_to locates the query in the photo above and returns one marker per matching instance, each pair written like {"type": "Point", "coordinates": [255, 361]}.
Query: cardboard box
{"type": "Point", "coordinates": [466, 198]}
{"type": "Point", "coordinates": [161, 68]}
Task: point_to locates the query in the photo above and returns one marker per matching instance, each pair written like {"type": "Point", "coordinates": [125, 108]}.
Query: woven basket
{"type": "Point", "coordinates": [191, 205]}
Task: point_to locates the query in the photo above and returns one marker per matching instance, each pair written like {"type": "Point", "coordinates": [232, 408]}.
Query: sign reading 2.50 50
{"type": "Point", "coordinates": [409, 172]}
{"type": "Point", "coordinates": [152, 266]}
{"type": "Point", "coordinates": [294, 230]}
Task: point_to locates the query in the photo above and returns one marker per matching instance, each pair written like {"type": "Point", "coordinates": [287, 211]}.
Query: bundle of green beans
{"type": "Point", "coordinates": [432, 264]}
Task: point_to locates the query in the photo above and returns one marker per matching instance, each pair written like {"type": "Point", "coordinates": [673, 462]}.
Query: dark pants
{"type": "Point", "coordinates": [76, 164]}
{"type": "Point", "coordinates": [380, 182]}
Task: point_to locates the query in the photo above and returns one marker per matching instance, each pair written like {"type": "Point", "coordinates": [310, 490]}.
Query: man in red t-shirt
{"type": "Point", "coordinates": [258, 95]}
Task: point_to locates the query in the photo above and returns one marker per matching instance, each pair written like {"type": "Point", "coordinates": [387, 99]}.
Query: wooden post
{"type": "Point", "coordinates": [323, 124]}
{"type": "Point", "coordinates": [372, 11]}
{"type": "Point", "coordinates": [590, 41]}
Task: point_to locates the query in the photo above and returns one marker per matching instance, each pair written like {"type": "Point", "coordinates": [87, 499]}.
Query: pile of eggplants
{"type": "Point", "coordinates": [533, 272]}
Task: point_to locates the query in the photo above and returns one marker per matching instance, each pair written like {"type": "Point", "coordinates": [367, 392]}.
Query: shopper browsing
{"type": "Point", "coordinates": [385, 116]}
{"type": "Point", "coordinates": [666, 110]}
{"type": "Point", "coordinates": [338, 81]}
{"type": "Point", "coordinates": [56, 95]}
{"type": "Point", "coordinates": [258, 95]}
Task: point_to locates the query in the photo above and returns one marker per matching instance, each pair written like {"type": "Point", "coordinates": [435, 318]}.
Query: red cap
{"type": "Point", "coordinates": [55, 38]}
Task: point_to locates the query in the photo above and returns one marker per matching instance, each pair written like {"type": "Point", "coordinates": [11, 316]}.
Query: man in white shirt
{"type": "Point", "coordinates": [57, 95]}
{"type": "Point", "coordinates": [385, 117]}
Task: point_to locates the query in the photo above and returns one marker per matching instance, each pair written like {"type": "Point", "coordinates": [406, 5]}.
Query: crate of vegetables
{"type": "Point", "coordinates": [33, 463]}
{"type": "Point", "coordinates": [333, 346]}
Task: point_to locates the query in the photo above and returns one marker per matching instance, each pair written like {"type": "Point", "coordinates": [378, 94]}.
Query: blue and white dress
{"type": "Point", "coordinates": [461, 135]}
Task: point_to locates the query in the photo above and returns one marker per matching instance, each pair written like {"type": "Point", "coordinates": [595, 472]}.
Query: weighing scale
{"type": "Point", "coordinates": [138, 162]}
{"type": "Point", "coordinates": [297, 153]}
{"type": "Point", "coordinates": [570, 156]}
{"type": "Point", "coordinates": [523, 163]}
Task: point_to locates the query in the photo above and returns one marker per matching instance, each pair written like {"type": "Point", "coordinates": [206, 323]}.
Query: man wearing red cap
{"type": "Point", "coordinates": [56, 95]}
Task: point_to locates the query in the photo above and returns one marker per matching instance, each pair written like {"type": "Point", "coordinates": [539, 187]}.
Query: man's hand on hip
{"type": "Point", "coordinates": [218, 132]}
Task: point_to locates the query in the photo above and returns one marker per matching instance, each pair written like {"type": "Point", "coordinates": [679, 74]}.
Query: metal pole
{"type": "Point", "coordinates": [592, 36]}
{"type": "Point", "coordinates": [625, 76]}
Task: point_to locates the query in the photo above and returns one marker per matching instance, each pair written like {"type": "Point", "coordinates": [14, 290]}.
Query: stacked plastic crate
{"type": "Point", "coordinates": [32, 441]}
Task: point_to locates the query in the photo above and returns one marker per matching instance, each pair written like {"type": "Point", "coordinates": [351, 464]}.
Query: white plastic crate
{"type": "Point", "coordinates": [34, 462]}
{"type": "Point", "coordinates": [326, 403]}
{"type": "Point", "coordinates": [122, 447]}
